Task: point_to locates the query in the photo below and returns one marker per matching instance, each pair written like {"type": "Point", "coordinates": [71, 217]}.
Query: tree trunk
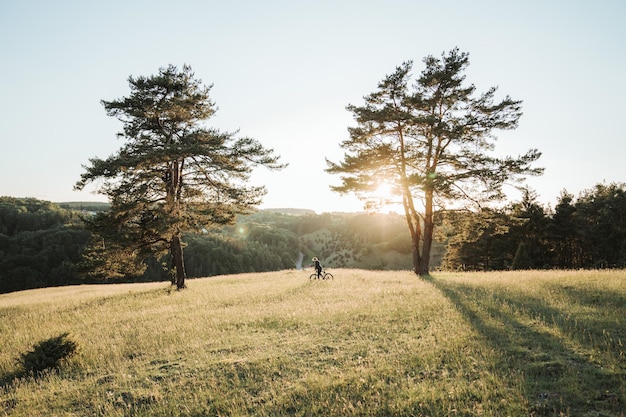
{"type": "Point", "coordinates": [424, 267]}
{"type": "Point", "coordinates": [415, 247]}
{"type": "Point", "coordinates": [415, 228]}
{"type": "Point", "coordinates": [429, 228]}
{"type": "Point", "coordinates": [421, 261]}
{"type": "Point", "coordinates": [176, 250]}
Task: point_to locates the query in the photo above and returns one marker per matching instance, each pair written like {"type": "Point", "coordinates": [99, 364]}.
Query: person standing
{"type": "Point", "coordinates": [318, 266]}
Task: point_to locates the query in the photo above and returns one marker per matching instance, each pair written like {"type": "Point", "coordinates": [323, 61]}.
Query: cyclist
{"type": "Point", "coordinates": [318, 266]}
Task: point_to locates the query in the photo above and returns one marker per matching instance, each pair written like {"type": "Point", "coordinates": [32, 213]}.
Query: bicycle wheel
{"type": "Point", "coordinates": [313, 276]}
{"type": "Point", "coordinates": [328, 275]}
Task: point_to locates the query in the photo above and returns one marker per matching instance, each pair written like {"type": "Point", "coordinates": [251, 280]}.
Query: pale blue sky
{"type": "Point", "coordinates": [283, 72]}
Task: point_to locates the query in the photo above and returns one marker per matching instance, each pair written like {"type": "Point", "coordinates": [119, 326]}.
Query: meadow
{"type": "Point", "coordinates": [368, 343]}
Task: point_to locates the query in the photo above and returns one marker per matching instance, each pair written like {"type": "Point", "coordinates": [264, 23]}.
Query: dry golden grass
{"type": "Point", "coordinates": [366, 343]}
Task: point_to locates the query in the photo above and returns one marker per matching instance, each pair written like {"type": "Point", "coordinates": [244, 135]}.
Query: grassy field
{"type": "Point", "coordinates": [366, 344]}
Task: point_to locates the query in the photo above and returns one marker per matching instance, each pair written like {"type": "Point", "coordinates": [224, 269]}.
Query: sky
{"type": "Point", "coordinates": [283, 73]}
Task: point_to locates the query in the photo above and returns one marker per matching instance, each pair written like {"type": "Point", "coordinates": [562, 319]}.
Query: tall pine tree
{"type": "Point", "coordinates": [430, 140]}
{"type": "Point", "coordinates": [173, 174]}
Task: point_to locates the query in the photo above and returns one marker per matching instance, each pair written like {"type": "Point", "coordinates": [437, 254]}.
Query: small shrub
{"type": "Point", "coordinates": [48, 354]}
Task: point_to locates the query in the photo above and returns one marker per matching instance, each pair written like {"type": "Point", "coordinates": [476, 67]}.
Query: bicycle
{"type": "Point", "coordinates": [323, 275]}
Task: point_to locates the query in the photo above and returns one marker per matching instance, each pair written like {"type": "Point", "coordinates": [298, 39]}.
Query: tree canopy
{"type": "Point", "coordinates": [430, 140]}
{"type": "Point", "coordinates": [173, 173]}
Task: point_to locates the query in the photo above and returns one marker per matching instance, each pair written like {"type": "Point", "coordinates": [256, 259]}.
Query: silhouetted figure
{"type": "Point", "coordinates": [318, 266]}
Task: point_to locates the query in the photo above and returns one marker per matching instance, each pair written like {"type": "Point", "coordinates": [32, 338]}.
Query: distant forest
{"type": "Point", "coordinates": [42, 243]}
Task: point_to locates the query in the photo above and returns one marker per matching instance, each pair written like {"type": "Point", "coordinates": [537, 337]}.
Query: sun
{"type": "Point", "coordinates": [386, 197]}
{"type": "Point", "coordinates": [384, 191]}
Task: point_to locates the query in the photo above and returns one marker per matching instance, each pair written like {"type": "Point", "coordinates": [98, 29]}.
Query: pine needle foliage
{"type": "Point", "coordinates": [173, 174]}
{"type": "Point", "coordinates": [431, 141]}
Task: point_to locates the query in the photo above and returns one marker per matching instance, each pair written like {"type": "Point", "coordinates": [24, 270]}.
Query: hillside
{"type": "Point", "coordinates": [44, 244]}
{"type": "Point", "coordinates": [367, 343]}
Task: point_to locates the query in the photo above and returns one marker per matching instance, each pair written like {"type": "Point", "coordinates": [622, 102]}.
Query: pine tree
{"type": "Point", "coordinates": [430, 141]}
{"type": "Point", "coordinates": [173, 174]}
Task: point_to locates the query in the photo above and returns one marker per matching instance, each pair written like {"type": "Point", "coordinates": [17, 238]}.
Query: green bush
{"type": "Point", "coordinates": [48, 354]}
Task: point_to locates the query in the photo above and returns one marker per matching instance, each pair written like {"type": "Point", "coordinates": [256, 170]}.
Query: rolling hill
{"type": "Point", "coordinates": [373, 343]}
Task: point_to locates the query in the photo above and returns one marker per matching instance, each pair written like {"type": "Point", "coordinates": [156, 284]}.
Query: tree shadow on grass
{"type": "Point", "coordinates": [566, 371]}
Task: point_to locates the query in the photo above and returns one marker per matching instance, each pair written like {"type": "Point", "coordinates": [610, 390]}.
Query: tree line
{"type": "Point", "coordinates": [586, 232]}
{"type": "Point", "coordinates": [44, 244]}
{"type": "Point", "coordinates": [41, 244]}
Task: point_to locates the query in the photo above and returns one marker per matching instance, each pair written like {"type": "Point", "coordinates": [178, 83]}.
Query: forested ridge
{"type": "Point", "coordinates": [42, 243]}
